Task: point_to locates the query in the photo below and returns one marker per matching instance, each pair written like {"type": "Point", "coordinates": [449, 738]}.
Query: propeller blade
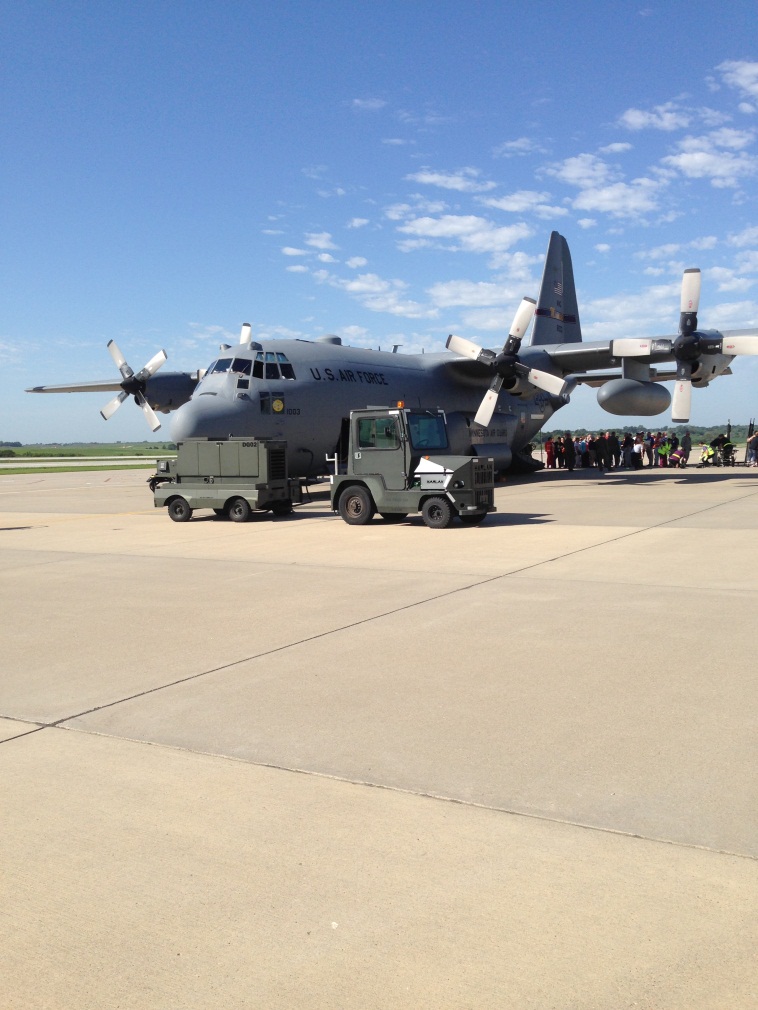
{"type": "Point", "coordinates": [628, 347]}
{"type": "Point", "coordinates": [154, 364]}
{"type": "Point", "coordinates": [740, 345]}
{"type": "Point", "coordinates": [690, 291]}
{"type": "Point", "coordinates": [690, 301]}
{"type": "Point", "coordinates": [522, 319]}
{"type": "Point", "coordinates": [459, 345]}
{"type": "Point", "coordinates": [119, 359]}
{"type": "Point", "coordinates": [112, 406]}
{"type": "Point", "coordinates": [681, 401]}
{"type": "Point", "coordinates": [487, 407]}
{"type": "Point", "coordinates": [546, 380]}
{"type": "Point", "coordinates": [149, 413]}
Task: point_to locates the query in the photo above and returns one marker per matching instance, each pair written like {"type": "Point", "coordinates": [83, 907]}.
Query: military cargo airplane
{"type": "Point", "coordinates": [495, 402]}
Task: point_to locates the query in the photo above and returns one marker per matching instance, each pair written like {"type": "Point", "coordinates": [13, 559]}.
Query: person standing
{"type": "Point", "coordinates": [687, 445]}
{"type": "Point", "coordinates": [614, 449]}
{"type": "Point", "coordinates": [601, 452]}
{"type": "Point", "coordinates": [569, 452]}
{"type": "Point", "coordinates": [550, 453]}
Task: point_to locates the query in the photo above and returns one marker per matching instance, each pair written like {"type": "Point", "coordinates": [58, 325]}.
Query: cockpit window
{"type": "Point", "coordinates": [427, 431]}
{"type": "Point", "coordinates": [222, 365]}
{"type": "Point", "coordinates": [272, 365]}
{"type": "Point", "coordinates": [242, 366]}
{"type": "Point", "coordinates": [288, 372]}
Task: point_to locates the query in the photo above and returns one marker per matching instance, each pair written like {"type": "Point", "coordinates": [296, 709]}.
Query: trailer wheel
{"type": "Point", "coordinates": [239, 510]}
{"type": "Point", "coordinates": [473, 518]}
{"type": "Point", "coordinates": [393, 517]}
{"type": "Point", "coordinates": [355, 506]}
{"type": "Point", "coordinates": [281, 508]}
{"type": "Point", "coordinates": [179, 510]}
{"type": "Point", "coordinates": [437, 513]}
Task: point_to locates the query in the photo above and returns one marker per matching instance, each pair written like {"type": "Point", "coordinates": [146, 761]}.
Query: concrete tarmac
{"type": "Point", "coordinates": [294, 763]}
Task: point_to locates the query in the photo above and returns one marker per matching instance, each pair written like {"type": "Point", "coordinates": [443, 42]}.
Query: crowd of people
{"type": "Point", "coordinates": [606, 451]}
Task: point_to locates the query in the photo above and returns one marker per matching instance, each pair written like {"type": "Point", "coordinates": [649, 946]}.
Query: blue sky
{"type": "Point", "coordinates": [387, 172]}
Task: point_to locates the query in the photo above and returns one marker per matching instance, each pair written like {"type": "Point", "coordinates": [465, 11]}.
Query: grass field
{"type": "Point", "coordinates": [84, 449]}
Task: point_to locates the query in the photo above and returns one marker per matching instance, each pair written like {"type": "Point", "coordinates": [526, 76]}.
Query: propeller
{"type": "Point", "coordinates": [506, 364]}
{"type": "Point", "coordinates": [688, 347]}
{"type": "Point", "coordinates": [133, 384]}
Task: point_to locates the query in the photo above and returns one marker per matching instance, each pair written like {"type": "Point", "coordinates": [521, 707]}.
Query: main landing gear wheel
{"type": "Point", "coordinates": [473, 518]}
{"type": "Point", "coordinates": [437, 513]}
{"type": "Point", "coordinates": [179, 510]}
{"type": "Point", "coordinates": [239, 510]}
{"type": "Point", "coordinates": [282, 508]}
{"type": "Point", "coordinates": [355, 506]}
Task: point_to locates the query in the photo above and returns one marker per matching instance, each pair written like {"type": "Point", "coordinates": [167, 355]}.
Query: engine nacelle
{"type": "Point", "coordinates": [633, 397]}
{"type": "Point", "coordinates": [709, 366]}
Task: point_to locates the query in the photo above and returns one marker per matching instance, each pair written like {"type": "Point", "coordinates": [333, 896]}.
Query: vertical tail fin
{"type": "Point", "coordinates": [557, 317]}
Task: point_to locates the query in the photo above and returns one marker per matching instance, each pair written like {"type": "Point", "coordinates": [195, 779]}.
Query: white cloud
{"type": "Point", "coordinates": [297, 269]}
{"type": "Point", "coordinates": [463, 181]}
{"type": "Point", "coordinates": [517, 148]}
{"type": "Point", "coordinates": [742, 75]}
{"type": "Point", "coordinates": [621, 199]}
{"type": "Point", "coordinates": [289, 250]}
{"type": "Point", "coordinates": [746, 108]}
{"type": "Point", "coordinates": [662, 117]}
{"type": "Point", "coordinates": [467, 233]}
{"type": "Point", "coordinates": [320, 240]}
{"type": "Point", "coordinates": [326, 258]}
{"type": "Point", "coordinates": [420, 205]}
{"type": "Point", "coordinates": [397, 142]}
{"type": "Point", "coordinates": [729, 280]}
{"type": "Point", "coordinates": [357, 222]}
{"type": "Point", "coordinates": [368, 104]}
{"type": "Point", "coordinates": [718, 156]}
{"type": "Point", "coordinates": [620, 148]}
{"type": "Point", "coordinates": [525, 201]}
{"type": "Point", "coordinates": [377, 294]}
{"type": "Point", "coordinates": [602, 247]}
{"type": "Point", "coordinates": [586, 222]}
{"type": "Point", "coordinates": [355, 262]}
{"type": "Point", "coordinates": [747, 237]}
{"type": "Point", "coordinates": [583, 170]}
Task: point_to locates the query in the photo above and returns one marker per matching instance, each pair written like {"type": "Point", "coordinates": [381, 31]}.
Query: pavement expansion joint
{"type": "Point", "coordinates": [418, 793]}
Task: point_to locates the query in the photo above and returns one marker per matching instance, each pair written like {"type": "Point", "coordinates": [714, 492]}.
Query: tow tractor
{"type": "Point", "coordinates": [397, 462]}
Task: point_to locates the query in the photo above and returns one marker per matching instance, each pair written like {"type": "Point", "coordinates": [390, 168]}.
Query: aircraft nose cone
{"type": "Point", "coordinates": [210, 417]}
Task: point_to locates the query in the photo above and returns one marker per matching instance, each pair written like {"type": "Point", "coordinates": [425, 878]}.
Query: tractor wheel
{"type": "Point", "coordinates": [355, 506]}
{"type": "Point", "coordinates": [437, 513]}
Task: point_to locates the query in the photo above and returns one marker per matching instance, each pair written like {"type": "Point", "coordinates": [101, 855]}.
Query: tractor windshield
{"type": "Point", "coordinates": [427, 430]}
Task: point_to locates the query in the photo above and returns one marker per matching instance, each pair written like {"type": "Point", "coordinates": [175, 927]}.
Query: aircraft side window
{"type": "Point", "coordinates": [222, 365]}
{"type": "Point", "coordinates": [288, 372]}
{"type": "Point", "coordinates": [258, 366]}
{"type": "Point", "coordinates": [272, 369]}
{"type": "Point", "coordinates": [242, 366]}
